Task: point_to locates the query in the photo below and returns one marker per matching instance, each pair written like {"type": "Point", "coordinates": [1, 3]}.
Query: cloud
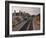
{"type": "Point", "coordinates": [30, 10]}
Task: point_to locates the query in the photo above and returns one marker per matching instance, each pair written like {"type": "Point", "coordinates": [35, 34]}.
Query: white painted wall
{"type": "Point", "coordinates": [2, 19]}
{"type": "Point", "coordinates": [28, 0]}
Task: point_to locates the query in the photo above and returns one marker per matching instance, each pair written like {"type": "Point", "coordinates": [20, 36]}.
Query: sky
{"type": "Point", "coordinates": [30, 10]}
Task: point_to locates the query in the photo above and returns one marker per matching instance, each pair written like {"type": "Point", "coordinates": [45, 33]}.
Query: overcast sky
{"type": "Point", "coordinates": [30, 10]}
